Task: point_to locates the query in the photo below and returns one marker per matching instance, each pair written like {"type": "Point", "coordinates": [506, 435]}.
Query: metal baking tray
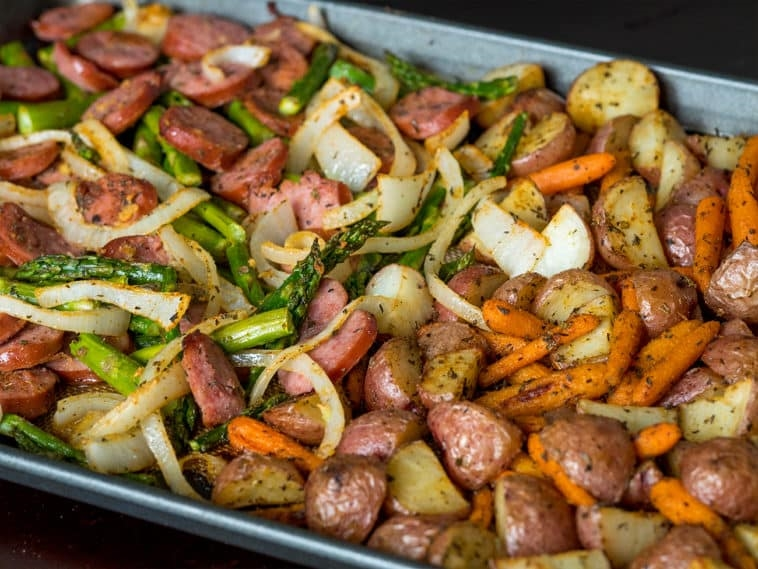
{"type": "Point", "coordinates": [705, 103]}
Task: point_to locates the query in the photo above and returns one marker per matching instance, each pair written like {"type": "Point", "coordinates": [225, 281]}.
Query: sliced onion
{"type": "Point", "coordinates": [150, 21]}
{"type": "Point", "coordinates": [106, 320]}
{"type": "Point", "coordinates": [70, 419]}
{"type": "Point", "coordinates": [61, 202]}
{"type": "Point", "coordinates": [399, 299]}
{"type": "Point", "coordinates": [351, 212]}
{"type": "Point", "coordinates": [331, 405]}
{"type": "Point", "coordinates": [201, 267]}
{"type": "Point", "coordinates": [33, 201]}
{"type": "Point", "coordinates": [130, 9]}
{"type": "Point", "coordinates": [253, 358]}
{"type": "Point", "coordinates": [253, 56]}
{"type": "Point", "coordinates": [117, 454]}
{"type": "Point", "coordinates": [437, 287]}
{"type": "Point", "coordinates": [160, 445]}
{"type": "Point", "coordinates": [401, 198]}
{"type": "Point", "coordinates": [274, 226]}
{"type": "Point", "coordinates": [399, 244]}
{"type": "Point", "coordinates": [112, 154]}
{"type": "Point", "coordinates": [304, 142]}
{"type": "Point", "coordinates": [232, 297]}
{"type": "Point", "coordinates": [164, 184]}
{"type": "Point", "coordinates": [345, 158]}
{"type": "Point", "coordinates": [166, 308]}
{"type": "Point", "coordinates": [147, 398]}
{"type": "Point", "coordinates": [22, 140]}
{"type": "Point", "coordinates": [451, 177]}
{"type": "Point", "coordinates": [296, 247]}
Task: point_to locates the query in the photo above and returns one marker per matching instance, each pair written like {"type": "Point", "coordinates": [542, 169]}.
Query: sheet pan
{"type": "Point", "coordinates": [706, 103]}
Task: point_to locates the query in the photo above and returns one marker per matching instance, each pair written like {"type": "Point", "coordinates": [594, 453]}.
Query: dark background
{"type": "Point", "coordinates": [42, 531]}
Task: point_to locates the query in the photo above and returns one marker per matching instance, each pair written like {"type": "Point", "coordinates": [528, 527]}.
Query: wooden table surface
{"type": "Point", "coordinates": [41, 531]}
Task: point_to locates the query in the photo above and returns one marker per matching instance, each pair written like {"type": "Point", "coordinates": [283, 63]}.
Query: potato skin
{"type": "Point", "coordinates": [733, 292]}
{"type": "Point", "coordinates": [681, 545]}
{"type": "Point", "coordinates": [613, 136]}
{"type": "Point", "coordinates": [379, 433]}
{"type": "Point", "coordinates": [520, 291]}
{"type": "Point", "coordinates": [664, 297]}
{"type": "Point", "coordinates": [392, 375]}
{"type": "Point", "coordinates": [406, 536]}
{"type": "Point", "coordinates": [549, 141]}
{"type": "Point", "coordinates": [300, 418]}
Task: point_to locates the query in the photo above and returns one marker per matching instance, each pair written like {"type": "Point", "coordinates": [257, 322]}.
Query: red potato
{"type": "Point", "coordinates": [406, 536]}
{"type": "Point", "coordinates": [393, 375]}
{"type": "Point", "coordinates": [549, 141]}
{"type": "Point", "coordinates": [678, 166]}
{"type": "Point", "coordinates": [539, 102]}
{"type": "Point", "coordinates": [300, 418]}
{"type": "Point", "coordinates": [475, 284]}
{"type": "Point", "coordinates": [733, 290]}
{"type": "Point", "coordinates": [520, 291]}
{"type": "Point", "coordinates": [647, 139]}
{"type": "Point", "coordinates": [380, 433]}
{"type": "Point", "coordinates": [436, 338]}
{"type": "Point", "coordinates": [664, 298]}
{"type": "Point", "coordinates": [613, 136]}
{"type": "Point", "coordinates": [528, 76]}
{"type": "Point", "coordinates": [678, 549]}
{"type": "Point", "coordinates": [463, 544]}
{"type": "Point", "coordinates": [721, 152]}
{"type": "Point", "coordinates": [676, 228]}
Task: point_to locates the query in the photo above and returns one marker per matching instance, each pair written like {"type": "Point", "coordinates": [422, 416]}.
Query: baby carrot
{"type": "Point", "coordinates": [741, 201]}
{"type": "Point", "coordinates": [573, 493]}
{"type": "Point", "coordinates": [503, 317]}
{"type": "Point", "coordinates": [709, 235]}
{"type": "Point", "coordinates": [482, 507]}
{"type": "Point", "coordinates": [656, 440]}
{"type": "Point", "coordinates": [626, 337]}
{"type": "Point", "coordinates": [574, 172]}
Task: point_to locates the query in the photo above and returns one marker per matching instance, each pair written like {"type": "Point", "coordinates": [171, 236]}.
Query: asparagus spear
{"type": "Point", "coordinates": [14, 54]}
{"type": "Point", "coordinates": [146, 145]}
{"type": "Point", "coordinates": [33, 117]}
{"type": "Point", "coordinates": [503, 161]}
{"type": "Point", "coordinates": [256, 330]}
{"type": "Point", "coordinates": [208, 238]}
{"type": "Point", "coordinates": [110, 364]}
{"type": "Point", "coordinates": [414, 79]}
{"type": "Point", "coordinates": [451, 268]}
{"type": "Point", "coordinates": [83, 149]}
{"type": "Point", "coordinates": [234, 211]}
{"type": "Point", "coordinates": [256, 131]}
{"type": "Point", "coordinates": [304, 88]}
{"type": "Point", "coordinates": [342, 69]}
{"type": "Point", "coordinates": [49, 269]}
{"type": "Point", "coordinates": [243, 275]}
{"type": "Point", "coordinates": [173, 98]}
{"type": "Point", "coordinates": [33, 439]}
{"type": "Point", "coordinates": [425, 219]}
{"type": "Point", "coordinates": [217, 218]}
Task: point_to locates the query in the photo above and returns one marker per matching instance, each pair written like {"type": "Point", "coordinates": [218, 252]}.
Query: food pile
{"type": "Point", "coordinates": [469, 323]}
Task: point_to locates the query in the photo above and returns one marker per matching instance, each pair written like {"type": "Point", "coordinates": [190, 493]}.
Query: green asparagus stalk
{"type": "Point", "coordinates": [208, 238]}
{"type": "Point", "coordinates": [243, 275]}
{"type": "Point", "coordinates": [50, 269]}
{"type": "Point", "coordinates": [342, 69]}
{"type": "Point", "coordinates": [173, 98]}
{"type": "Point", "coordinates": [255, 330]}
{"type": "Point", "coordinates": [83, 149]}
{"type": "Point", "coordinates": [414, 79]}
{"type": "Point", "coordinates": [33, 117]}
{"type": "Point", "coordinates": [451, 268]}
{"type": "Point", "coordinates": [146, 145]}
{"type": "Point", "coordinates": [14, 54]}
{"type": "Point", "coordinates": [256, 131]}
{"type": "Point", "coordinates": [146, 353]}
{"type": "Point", "coordinates": [427, 216]}
{"type": "Point", "coordinates": [217, 218]}
{"type": "Point", "coordinates": [234, 211]}
{"type": "Point", "coordinates": [181, 417]}
{"type": "Point", "coordinates": [503, 161]}
{"type": "Point", "coordinates": [111, 365]}
{"type": "Point", "coordinates": [33, 439]}
{"type": "Point", "coordinates": [304, 88]}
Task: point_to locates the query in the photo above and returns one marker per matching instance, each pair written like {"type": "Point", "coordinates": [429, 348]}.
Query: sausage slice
{"type": "Point", "coordinates": [62, 23]}
{"type": "Point", "coordinates": [27, 392]}
{"type": "Point", "coordinates": [190, 36]}
{"type": "Point", "coordinates": [189, 80]}
{"type": "Point", "coordinates": [431, 110]}
{"type": "Point", "coordinates": [28, 161]}
{"type": "Point", "coordinates": [123, 106]}
{"type": "Point", "coordinates": [116, 199]}
{"type": "Point", "coordinates": [22, 238]}
{"type": "Point", "coordinates": [122, 53]}
{"type": "Point", "coordinates": [81, 71]}
{"type": "Point", "coordinates": [28, 84]}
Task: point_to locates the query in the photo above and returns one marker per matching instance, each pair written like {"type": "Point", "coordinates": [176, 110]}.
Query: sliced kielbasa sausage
{"type": "Point", "coordinates": [189, 79]}
{"type": "Point", "coordinates": [406, 536]}
{"type": "Point", "coordinates": [22, 238]}
{"type": "Point", "coordinates": [679, 547]}
{"type": "Point", "coordinates": [595, 452]}
{"type": "Point", "coordinates": [431, 110]}
{"type": "Point", "coordinates": [538, 521]}
{"type": "Point", "coordinates": [344, 495]}
{"type": "Point", "coordinates": [284, 29]}
{"type": "Point", "coordinates": [380, 433]}
{"type": "Point", "coordinates": [123, 106]}
{"type": "Point", "coordinates": [115, 199]}
{"type": "Point", "coordinates": [27, 392]}
{"type": "Point", "coordinates": [263, 104]}
{"type": "Point", "coordinates": [62, 23]}
{"type": "Point", "coordinates": [285, 66]}
{"type": "Point", "coordinates": [28, 84]}
{"type": "Point", "coordinates": [330, 298]}
{"type": "Point", "coordinates": [9, 326]}
{"type": "Point", "coordinates": [311, 196]}
{"type": "Point", "coordinates": [259, 167]}
{"type": "Point", "coordinates": [477, 443]}
{"type": "Point", "coordinates": [32, 346]}
{"type": "Point", "coordinates": [71, 370]}
{"type": "Point", "coordinates": [190, 36]}
{"type": "Point", "coordinates": [723, 473]}
{"type": "Point", "coordinates": [203, 135]}
{"type": "Point", "coordinates": [28, 161]}
{"type": "Point", "coordinates": [80, 71]}
{"type": "Point", "coordinates": [122, 53]}
{"type": "Point", "coordinates": [137, 248]}
{"type": "Point", "coordinates": [212, 379]}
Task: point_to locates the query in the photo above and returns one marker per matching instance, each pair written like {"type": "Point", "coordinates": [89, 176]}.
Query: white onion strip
{"type": "Point", "coordinates": [187, 254]}
{"type": "Point", "coordinates": [331, 406]}
{"type": "Point", "coordinates": [81, 167]}
{"type": "Point", "coordinates": [274, 226]}
{"type": "Point", "coordinates": [112, 154]}
{"type": "Point", "coordinates": [33, 201]}
{"type": "Point", "coordinates": [248, 55]}
{"type": "Point", "coordinates": [22, 140]}
{"type": "Point", "coordinates": [437, 287]}
{"type": "Point", "coordinates": [166, 308]}
{"type": "Point", "coordinates": [157, 439]}
{"type": "Point", "coordinates": [61, 202]}
{"type": "Point", "coordinates": [345, 158]}
{"type": "Point", "coordinates": [106, 320]}
{"type": "Point", "coordinates": [232, 297]}
{"type": "Point", "coordinates": [351, 212]}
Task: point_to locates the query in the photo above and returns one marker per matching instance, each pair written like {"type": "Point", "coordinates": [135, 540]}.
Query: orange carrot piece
{"type": "Point", "coordinates": [656, 440]}
{"type": "Point", "coordinates": [482, 507]}
{"type": "Point", "coordinates": [628, 296]}
{"type": "Point", "coordinates": [574, 172]}
{"type": "Point", "coordinates": [626, 337]}
{"type": "Point", "coordinates": [503, 317]}
{"type": "Point", "coordinates": [573, 493]}
{"type": "Point", "coordinates": [649, 388]}
{"type": "Point", "coordinates": [522, 463]}
{"type": "Point", "coordinates": [246, 433]}
{"type": "Point", "coordinates": [528, 373]}
{"type": "Point", "coordinates": [709, 235]}
{"type": "Point", "coordinates": [741, 200]}
{"type": "Point", "coordinates": [502, 344]}
{"type": "Point", "coordinates": [575, 327]}
{"type": "Point", "coordinates": [620, 170]}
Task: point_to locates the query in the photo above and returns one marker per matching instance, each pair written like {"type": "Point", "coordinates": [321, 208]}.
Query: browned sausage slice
{"type": "Point", "coordinates": [330, 298]}
{"type": "Point", "coordinates": [33, 345]}
{"type": "Point", "coordinates": [122, 53]}
{"type": "Point", "coordinates": [27, 392]}
{"type": "Point", "coordinates": [62, 23]}
{"type": "Point", "coordinates": [28, 161]}
{"type": "Point", "coordinates": [9, 326]}
{"type": "Point", "coordinates": [212, 379]}
{"type": "Point", "coordinates": [28, 83]}
{"type": "Point", "coordinates": [203, 135]}
{"type": "Point", "coordinates": [123, 106]}
{"type": "Point", "coordinates": [115, 199]}
{"type": "Point", "coordinates": [137, 248]}
{"type": "Point", "coordinates": [311, 196]}
{"type": "Point", "coordinates": [424, 113]}
{"type": "Point", "coordinates": [259, 167]}
{"type": "Point", "coordinates": [23, 238]}
{"type": "Point", "coordinates": [263, 104]}
{"type": "Point", "coordinates": [337, 355]}
{"type": "Point", "coordinates": [284, 29]}
{"type": "Point", "coordinates": [190, 36]}
{"type": "Point", "coordinates": [344, 495]}
{"type": "Point", "coordinates": [81, 71]}
{"type": "Point", "coordinates": [285, 66]}
{"type": "Point", "coordinates": [188, 79]}
{"type": "Point", "coordinates": [71, 370]}
{"type": "Point", "coordinates": [477, 443]}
